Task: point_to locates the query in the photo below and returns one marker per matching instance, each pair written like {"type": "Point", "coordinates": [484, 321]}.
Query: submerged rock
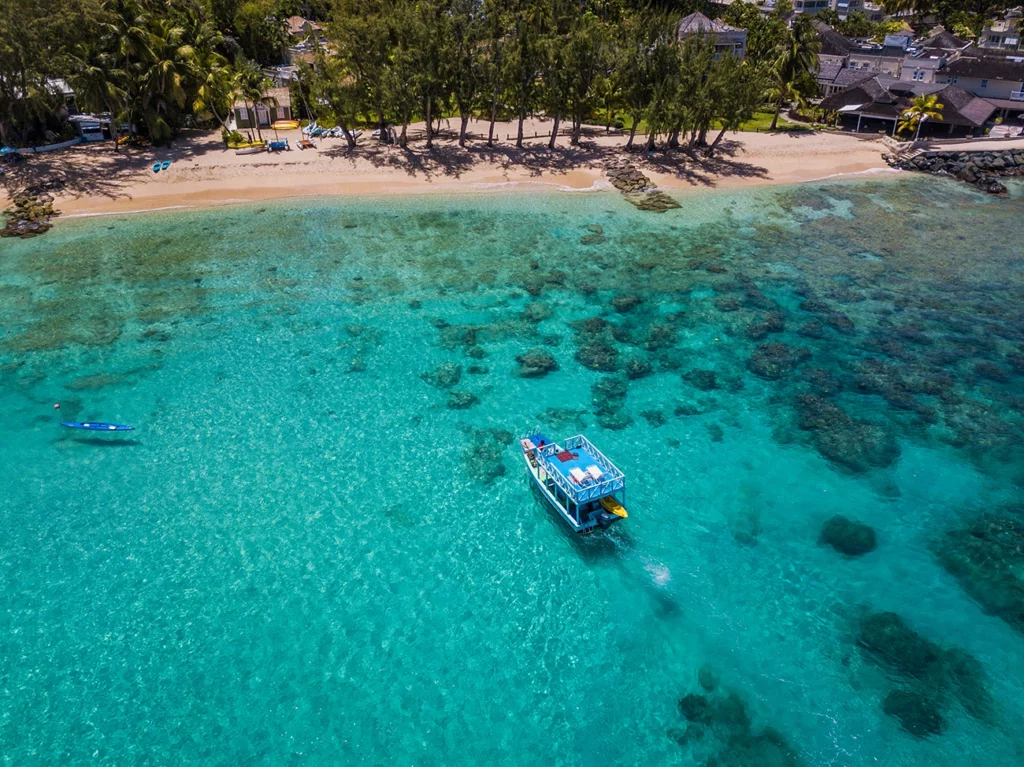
{"type": "Point", "coordinates": [986, 558]}
{"type": "Point", "coordinates": [637, 367]}
{"type": "Point", "coordinates": [598, 356]}
{"type": "Point", "coordinates": [776, 360]}
{"type": "Point", "coordinates": [461, 400]}
{"type": "Point", "coordinates": [696, 708]}
{"type": "Point", "coordinates": [705, 380]}
{"type": "Point", "coordinates": [655, 418]}
{"type": "Point", "coordinates": [609, 397]}
{"type": "Point", "coordinates": [536, 363]}
{"type": "Point", "coordinates": [892, 643]}
{"type": "Point", "coordinates": [626, 303]}
{"type": "Point", "coordinates": [856, 445]}
{"type": "Point", "coordinates": [848, 537]}
{"type": "Point", "coordinates": [444, 376]}
{"type": "Point", "coordinates": [918, 715]}
{"type": "Point", "coordinates": [483, 457]}
{"type": "Point", "coordinates": [991, 371]}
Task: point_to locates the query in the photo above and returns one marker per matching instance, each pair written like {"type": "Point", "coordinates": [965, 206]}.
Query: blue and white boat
{"type": "Point", "coordinates": [580, 483]}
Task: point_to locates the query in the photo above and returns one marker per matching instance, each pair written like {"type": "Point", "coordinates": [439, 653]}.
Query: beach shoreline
{"type": "Point", "coordinates": [96, 180]}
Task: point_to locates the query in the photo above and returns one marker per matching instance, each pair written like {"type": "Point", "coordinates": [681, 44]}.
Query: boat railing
{"type": "Point", "coordinates": [593, 489]}
{"type": "Point", "coordinates": [580, 441]}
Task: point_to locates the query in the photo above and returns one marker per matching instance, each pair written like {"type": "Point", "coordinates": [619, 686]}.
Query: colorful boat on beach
{"type": "Point", "coordinates": [253, 148]}
{"type": "Point", "coordinates": [577, 480]}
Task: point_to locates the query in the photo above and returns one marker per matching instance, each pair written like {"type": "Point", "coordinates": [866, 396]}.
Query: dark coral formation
{"type": "Point", "coordinates": [609, 398]}
{"type": "Point", "coordinates": [931, 676]}
{"type": "Point", "coordinates": [444, 376]}
{"type": "Point", "coordinates": [705, 380]}
{"type": "Point", "coordinates": [536, 363]}
{"type": "Point", "coordinates": [776, 360]}
{"type": "Point", "coordinates": [917, 714]}
{"type": "Point", "coordinates": [848, 537]}
{"type": "Point", "coordinates": [638, 367]}
{"type": "Point", "coordinates": [854, 444]}
{"type": "Point", "coordinates": [720, 723]}
{"type": "Point", "coordinates": [483, 456]}
{"type": "Point", "coordinates": [986, 558]}
{"type": "Point", "coordinates": [598, 356]}
{"type": "Point", "coordinates": [461, 400]}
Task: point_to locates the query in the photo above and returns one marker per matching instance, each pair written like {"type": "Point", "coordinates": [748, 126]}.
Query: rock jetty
{"type": "Point", "coordinates": [638, 189]}
{"type": "Point", "coordinates": [981, 169]}
{"type": "Point", "coordinates": [29, 215]}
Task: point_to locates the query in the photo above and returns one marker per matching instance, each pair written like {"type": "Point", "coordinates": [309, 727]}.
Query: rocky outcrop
{"type": "Point", "coordinates": [29, 215]}
{"type": "Point", "coordinates": [638, 189]}
{"type": "Point", "coordinates": [982, 169]}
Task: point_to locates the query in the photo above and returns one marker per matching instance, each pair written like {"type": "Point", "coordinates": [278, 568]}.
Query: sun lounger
{"type": "Point", "coordinates": [595, 472]}
{"type": "Point", "coordinates": [578, 475]}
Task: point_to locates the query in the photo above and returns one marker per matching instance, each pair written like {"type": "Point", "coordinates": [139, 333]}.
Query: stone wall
{"type": "Point", "coordinates": [982, 169]}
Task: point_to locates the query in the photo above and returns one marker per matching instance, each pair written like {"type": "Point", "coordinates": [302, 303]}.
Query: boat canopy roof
{"type": "Point", "coordinates": [579, 469]}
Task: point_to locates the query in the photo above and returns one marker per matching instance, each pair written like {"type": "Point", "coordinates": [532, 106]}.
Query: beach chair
{"type": "Point", "coordinates": [595, 473]}
{"type": "Point", "coordinates": [579, 476]}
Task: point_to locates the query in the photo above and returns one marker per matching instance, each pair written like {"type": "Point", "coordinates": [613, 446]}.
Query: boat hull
{"type": "Point", "coordinates": [94, 426]}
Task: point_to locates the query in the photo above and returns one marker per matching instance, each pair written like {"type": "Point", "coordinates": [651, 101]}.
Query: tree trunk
{"type": "Point", "coordinates": [462, 130]}
{"type": "Point", "coordinates": [649, 147]}
{"type": "Point", "coordinates": [430, 128]}
{"type": "Point", "coordinates": [702, 139]}
{"type": "Point", "coordinates": [775, 117]}
{"type": "Point", "coordinates": [632, 134]}
{"type": "Point", "coordinates": [224, 122]}
{"type": "Point", "coordinates": [256, 121]}
{"type": "Point", "coordinates": [519, 135]}
{"type": "Point", "coordinates": [494, 117]}
{"type": "Point", "coordinates": [402, 138]}
{"type": "Point", "coordinates": [711, 149]}
{"type": "Point", "coordinates": [673, 139]}
{"type": "Point", "coordinates": [349, 138]}
{"type": "Point", "coordinates": [577, 125]}
{"type": "Point", "coordinates": [554, 132]}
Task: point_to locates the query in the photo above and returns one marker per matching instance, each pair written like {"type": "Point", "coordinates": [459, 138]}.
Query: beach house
{"type": "Point", "coordinates": [728, 40]}
{"type": "Point", "coordinates": [244, 114]}
{"type": "Point", "coordinates": [1002, 34]}
{"type": "Point", "coordinates": [876, 103]}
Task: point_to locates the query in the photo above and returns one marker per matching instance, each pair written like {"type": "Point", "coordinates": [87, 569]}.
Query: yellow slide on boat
{"type": "Point", "coordinates": [614, 507]}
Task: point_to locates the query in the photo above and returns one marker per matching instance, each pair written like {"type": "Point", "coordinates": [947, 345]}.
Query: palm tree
{"type": "Point", "coordinates": [921, 108]}
{"type": "Point", "coordinates": [127, 36]}
{"type": "Point", "coordinates": [164, 79]}
{"type": "Point", "coordinates": [251, 84]}
{"type": "Point", "coordinates": [795, 63]}
{"type": "Point", "coordinates": [210, 76]}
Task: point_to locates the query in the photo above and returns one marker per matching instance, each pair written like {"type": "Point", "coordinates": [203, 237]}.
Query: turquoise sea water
{"type": "Point", "coordinates": [304, 555]}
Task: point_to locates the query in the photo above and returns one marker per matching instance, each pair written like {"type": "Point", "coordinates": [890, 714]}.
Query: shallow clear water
{"type": "Point", "coordinates": [303, 555]}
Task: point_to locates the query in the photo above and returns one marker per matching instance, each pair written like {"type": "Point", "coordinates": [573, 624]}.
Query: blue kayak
{"type": "Point", "coordinates": [165, 165]}
{"type": "Point", "coordinates": [93, 426]}
{"type": "Point", "coordinates": [156, 167]}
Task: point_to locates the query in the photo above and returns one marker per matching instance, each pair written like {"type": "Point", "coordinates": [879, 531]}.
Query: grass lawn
{"type": "Point", "coordinates": [760, 123]}
{"type": "Point", "coordinates": [763, 120]}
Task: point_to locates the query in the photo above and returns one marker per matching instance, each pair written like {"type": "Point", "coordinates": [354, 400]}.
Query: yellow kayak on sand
{"type": "Point", "coordinates": [285, 125]}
